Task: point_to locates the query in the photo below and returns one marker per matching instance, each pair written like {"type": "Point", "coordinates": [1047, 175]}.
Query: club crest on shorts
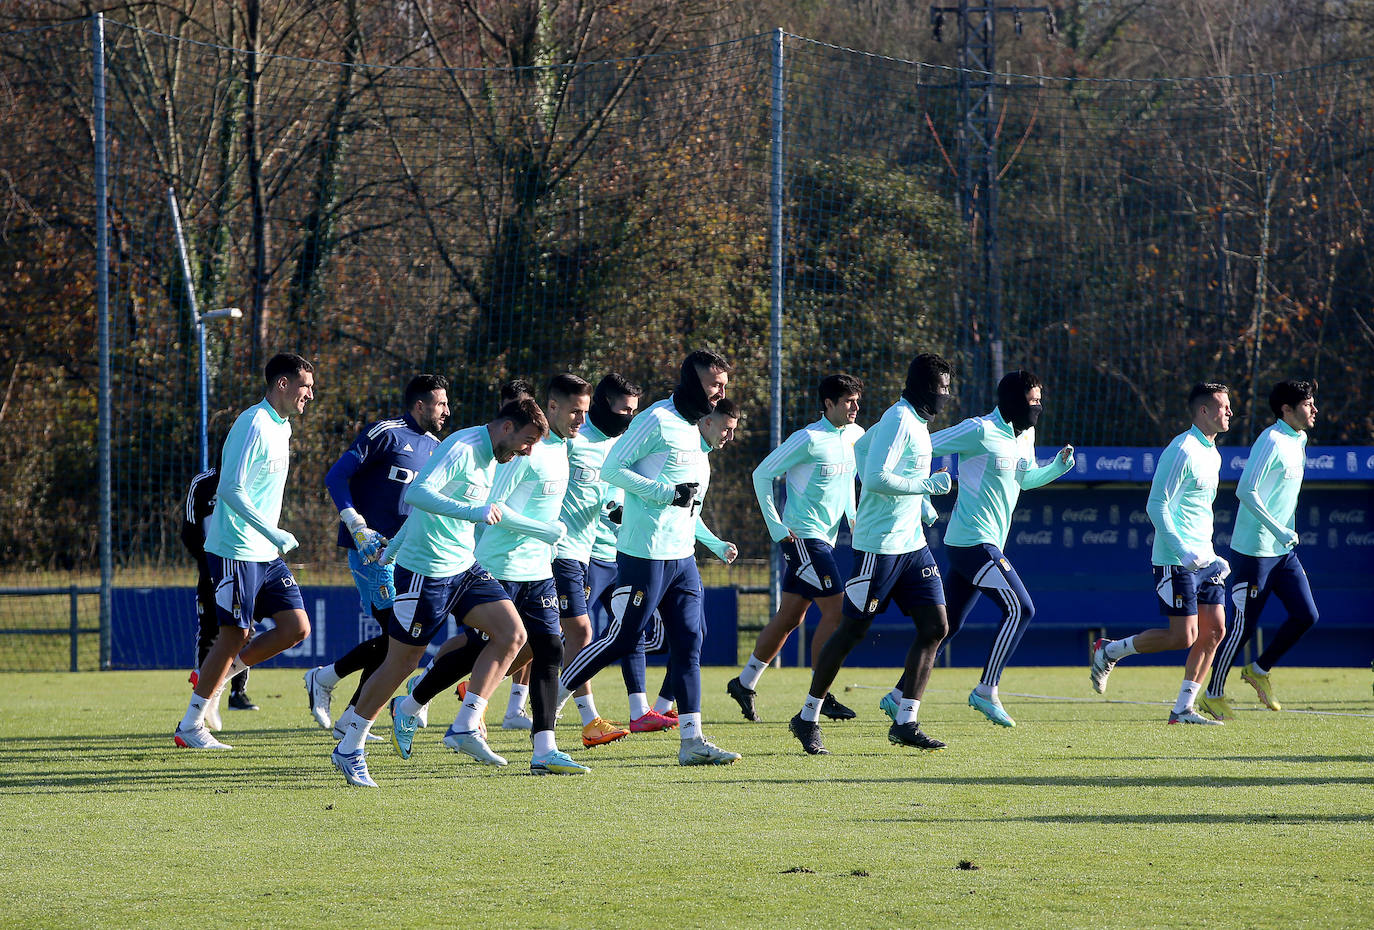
{"type": "Point", "coordinates": [1006, 566]}
{"type": "Point", "coordinates": [1254, 591]}
{"type": "Point", "coordinates": [1178, 600]}
{"type": "Point", "coordinates": [586, 591]}
{"type": "Point", "coordinates": [416, 629]}
{"type": "Point", "coordinates": [639, 598]}
{"type": "Point", "coordinates": [826, 583]}
{"type": "Point", "coordinates": [873, 606]}
{"type": "Point", "coordinates": [562, 602]}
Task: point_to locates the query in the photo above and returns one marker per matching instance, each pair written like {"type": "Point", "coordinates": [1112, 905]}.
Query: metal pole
{"type": "Point", "coordinates": [75, 621]}
{"type": "Point", "coordinates": [203, 433]}
{"type": "Point", "coordinates": [775, 194]}
{"type": "Point", "coordinates": [102, 300]}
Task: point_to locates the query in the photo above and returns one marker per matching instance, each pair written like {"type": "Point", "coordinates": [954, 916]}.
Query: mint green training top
{"type": "Point", "coordinates": [995, 464]}
{"type": "Point", "coordinates": [818, 461]}
{"type": "Point", "coordinates": [583, 502]}
{"type": "Point", "coordinates": [1181, 496]}
{"type": "Point", "coordinates": [893, 461]}
{"type": "Point", "coordinates": [1268, 491]}
{"type": "Point", "coordinates": [252, 478]}
{"type": "Point", "coordinates": [660, 450]}
{"type": "Point", "coordinates": [529, 486]}
{"type": "Point", "coordinates": [449, 496]}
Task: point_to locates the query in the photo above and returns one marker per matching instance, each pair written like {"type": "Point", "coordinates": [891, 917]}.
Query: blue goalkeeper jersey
{"type": "Point", "coordinates": [818, 462]}
{"type": "Point", "coordinates": [995, 464]}
{"type": "Point", "coordinates": [252, 479]}
{"type": "Point", "coordinates": [373, 473]}
{"type": "Point", "coordinates": [1268, 491]}
{"type": "Point", "coordinates": [1181, 496]}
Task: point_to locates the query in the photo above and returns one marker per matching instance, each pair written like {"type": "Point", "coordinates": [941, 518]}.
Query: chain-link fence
{"type": "Point", "coordinates": [612, 215]}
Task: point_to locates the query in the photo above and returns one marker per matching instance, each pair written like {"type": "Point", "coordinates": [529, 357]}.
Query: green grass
{"type": "Point", "coordinates": [1087, 814]}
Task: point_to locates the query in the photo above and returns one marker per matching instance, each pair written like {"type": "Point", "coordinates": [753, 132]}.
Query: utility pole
{"type": "Point", "coordinates": [980, 286]}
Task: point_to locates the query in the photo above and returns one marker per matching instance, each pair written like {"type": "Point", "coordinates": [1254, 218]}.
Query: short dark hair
{"type": "Point", "coordinates": [421, 385]}
{"type": "Point", "coordinates": [727, 408]}
{"type": "Point", "coordinates": [1203, 390]}
{"type": "Point", "coordinates": [1019, 380]}
{"type": "Point", "coordinates": [1290, 393]}
{"type": "Point", "coordinates": [615, 385]}
{"type": "Point", "coordinates": [515, 389]}
{"type": "Point", "coordinates": [285, 364]}
{"type": "Point", "coordinates": [833, 387]}
{"type": "Point", "coordinates": [706, 359]}
{"type": "Point", "coordinates": [567, 385]}
{"type": "Point", "coordinates": [522, 412]}
{"type": "Point", "coordinates": [926, 368]}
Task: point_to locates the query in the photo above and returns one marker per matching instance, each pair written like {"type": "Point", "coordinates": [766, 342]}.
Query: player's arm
{"type": "Point", "coordinates": [508, 476]}
{"type": "Point", "coordinates": [964, 437]}
{"type": "Point", "coordinates": [1040, 475]}
{"type": "Point", "coordinates": [722, 550]}
{"type": "Point", "coordinates": [891, 443]}
{"type": "Point", "coordinates": [234, 480]}
{"type": "Point", "coordinates": [637, 442]}
{"type": "Point", "coordinates": [337, 482]}
{"type": "Point", "coordinates": [851, 502]}
{"type": "Point", "coordinates": [193, 519]}
{"type": "Point", "coordinates": [1164, 491]}
{"type": "Point", "coordinates": [928, 512]}
{"type": "Point", "coordinates": [791, 453]}
{"type": "Point", "coordinates": [1264, 457]}
{"type": "Point", "coordinates": [426, 492]}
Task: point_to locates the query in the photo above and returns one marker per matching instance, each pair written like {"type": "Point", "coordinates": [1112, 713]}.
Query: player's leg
{"type": "Point", "coordinates": [516, 717]}
{"type": "Point", "coordinates": [1248, 594]}
{"type": "Point", "coordinates": [1176, 595]}
{"type": "Point", "coordinates": [235, 585]}
{"type": "Point", "coordinates": [207, 628]}
{"type": "Point", "coordinates": [1288, 581]}
{"type": "Point", "coordinates": [537, 604]}
{"type": "Point", "coordinates": [998, 580]}
{"type": "Point", "coordinates": [641, 584]}
{"type": "Point", "coordinates": [961, 597]}
{"type": "Point", "coordinates": [684, 629]}
{"type": "Point", "coordinates": [919, 593]}
{"type": "Point", "coordinates": [505, 636]}
{"type": "Point", "coordinates": [1211, 629]}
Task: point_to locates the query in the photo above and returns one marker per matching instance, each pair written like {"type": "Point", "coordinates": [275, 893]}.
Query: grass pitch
{"type": "Point", "coordinates": [1087, 814]}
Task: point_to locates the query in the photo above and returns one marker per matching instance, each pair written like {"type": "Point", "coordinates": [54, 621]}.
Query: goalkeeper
{"type": "Point", "coordinates": [368, 485]}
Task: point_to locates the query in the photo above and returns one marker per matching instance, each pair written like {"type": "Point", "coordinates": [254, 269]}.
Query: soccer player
{"type": "Point", "coordinates": [1189, 576]}
{"type": "Point", "coordinates": [996, 462]}
{"type": "Point", "coordinates": [818, 463]}
{"type": "Point", "coordinates": [437, 574]}
{"type": "Point", "coordinates": [368, 485]}
{"type": "Point", "coordinates": [891, 559]}
{"type": "Point", "coordinates": [244, 545]}
{"type": "Point", "coordinates": [1262, 558]}
{"type": "Point", "coordinates": [613, 405]}
{"type": "Point", "coordinates": [200, 503]}
{"type": "Point", "coordinates": [661, 464]}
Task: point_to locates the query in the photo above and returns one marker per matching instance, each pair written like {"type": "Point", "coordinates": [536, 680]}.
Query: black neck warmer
{"type": "Point", "coordinates": [1011, 401]}
{"type": "Point", "coordinates": [689, 397]}
{"type": "Point", "coordinates": [610, 423]}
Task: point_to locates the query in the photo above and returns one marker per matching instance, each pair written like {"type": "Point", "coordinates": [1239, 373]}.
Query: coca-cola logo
{"type": "Point", "coordinates": [1038, 538]}
{"type": "Point", "coordinates": [1308, 539]}
{"type": "Point", "coordinates": [1359, 539]}
{"type": "Point", "coordinates": [1101, 537]}
{"type": "Point", "coordinates": [1322, 462]}
{"type": "Point", "coordinates": [1139, 517]}
{"type": "Point", "coordinates": [1237, 462]}
{"type": "Point", "coordinates": [1347, 516]}
{"type": "Point", "coordinates": [1120, 463]}
{"type": "Point", "coordinates": [1021, 515]}
{"type": "Point", "coordinates": [1083, 515]}
{"type": "Point", "coordinates": [1369, 462]}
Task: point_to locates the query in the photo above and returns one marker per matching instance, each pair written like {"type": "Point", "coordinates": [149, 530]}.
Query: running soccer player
{"type": "Point", "coordinates": [368, 485]}
{"type": "Point", "coordinates": [200, 503]}
{"type": "Point", "coordinates": [1262, 558]}
{"type": "Point", "coordinates": [437, 575]}
{"type": "Point", "coordinates": [244, 545]}
{"type": "Point", "coordinates": [661, 464]}
{"type": "Point", "coordinates": [1190, 577]}
{"type": "Point", "coordinates": [818, 464]}
{"type": "Point", "coordinates": [996, 462]}
{"type": "Point", "coordinates": [891, 559]}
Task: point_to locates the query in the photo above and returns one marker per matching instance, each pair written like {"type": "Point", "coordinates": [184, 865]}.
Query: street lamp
{"type": "Point", "coordinates": [198, 319]}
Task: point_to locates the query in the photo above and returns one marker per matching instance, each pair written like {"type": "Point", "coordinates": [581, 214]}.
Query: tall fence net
{"type": "Point", "coordinates": [612, 215]}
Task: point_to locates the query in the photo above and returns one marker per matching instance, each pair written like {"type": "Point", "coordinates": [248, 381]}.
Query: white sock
{"type": "Point", "coordinates": [355, 729]}
{"type": "Point", "coordinates": [663, 705]}
{"type": "Point", "coordinates": [563, 695]}
{"type": "Point", "coordinates": [409, 706]}
{"type": "Point", "coordinates": [906, 711]}
{"type": "Point", "coordinates": [586, 706]}
{"type": "Point", "coordinates": [195, 713]}
{"type": "Point", "coordinates": [544, 743]}
{"type": "Point", "coordinates": [639, 705]}
{"type": "Point", "coordinates": [811, 710]}
{"type": "Point", "coordinates": [1118, 649]}
{"type": "Point", "coordinates": [470, 714]}
{"type": "Point", "coordinates": [896, 693]}
{"type": "Point", "coordinates": [518, 693]}
{"type": "Point", "coordinates": [236, 666]}
{"type": "Point", "coordinates": [751, 673]}
{"type": "Point", "coordinates": [1186, 695]}
{"type": "Point", "coordinates": [1258, 671]}
{"type": "Point", "coordinates": [690, 725]}
{"type": "Point", "coordinates": [326, 677]}
{"type": "Point", "coordinates": [986, 691]}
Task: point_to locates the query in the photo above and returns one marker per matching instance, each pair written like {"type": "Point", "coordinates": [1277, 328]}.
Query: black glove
{"type": "Point", "coordinates": [684, 493]}
{"type": "Point", "coordinates": [614, 514]}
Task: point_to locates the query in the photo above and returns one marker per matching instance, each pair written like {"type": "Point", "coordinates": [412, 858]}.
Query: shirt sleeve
{"type": "Point", "coordinates": [341, 473]}
{"type": "Point", "coordinates": [965, 437]}
{"type": "Point", "coordinates": [781, 460]}
{"type": "Point", "coordinates": [1262, 459]}
{"type": "Point", "coordinates": [708, 539]}
{"type": "Point", "coordinates": [508, 477]}
{"type": "Point", "coordinates": [880, 472]}
{"type": "Point", "coordinates": [1165, 487]}
{"type": "Point", "coordinates": [426, 491]}
{"type": "Point", "coordinates": [628, 449]}
{"type": "Point", "coordinates": [1037, 475]}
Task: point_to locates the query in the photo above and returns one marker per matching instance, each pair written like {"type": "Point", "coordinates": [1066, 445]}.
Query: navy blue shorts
{"type": "Point", "coordinates": [1254, 578]}
{"type": "Point", "coordinates": [248, 591]}
{"type": "Point", "coordinates": [570, 580]}
{"type": "Point", "coordinates": [809, 568]}
{"type": "Point", "coordinates": [537, 604]}
{"type": "Point", "coordinates": [1180, 591]}
{"type": "Point", "coordinates": [423, 604]}
{"type": "Point", "coordinates": [911, 579]}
